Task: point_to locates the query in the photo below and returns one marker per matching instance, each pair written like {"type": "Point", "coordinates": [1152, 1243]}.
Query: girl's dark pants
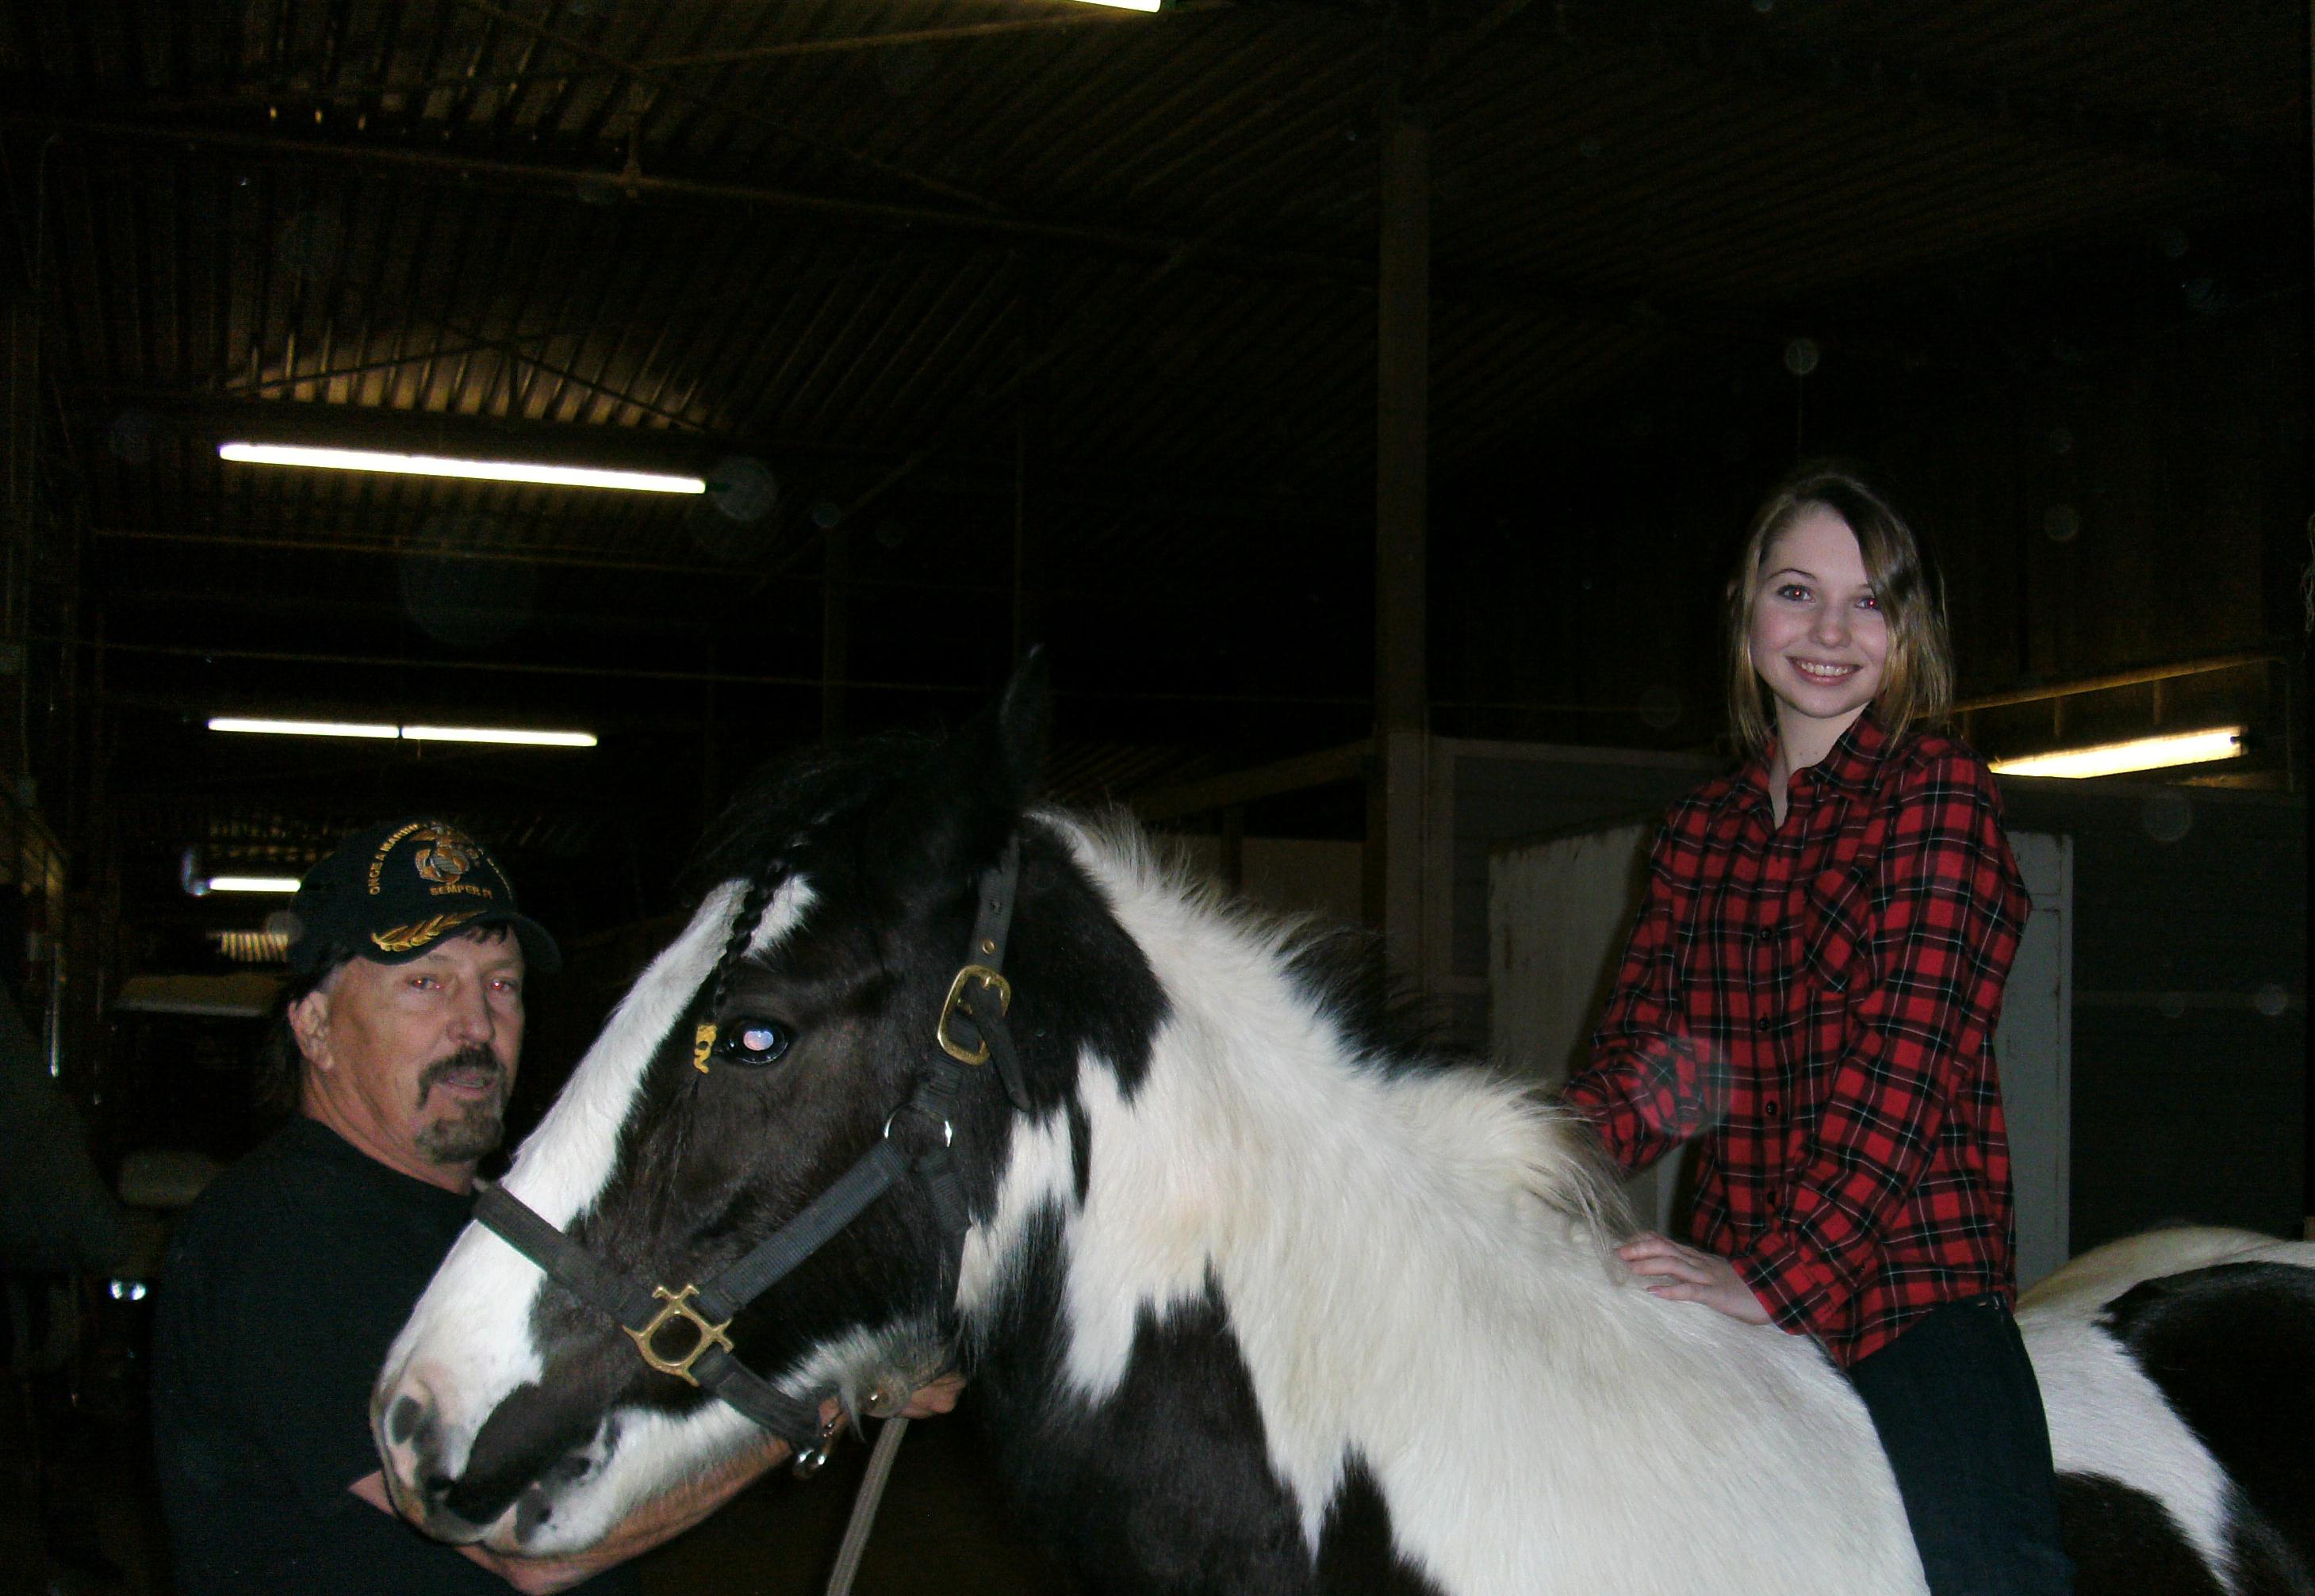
{"type": "Point", "coordinates": [1960, 1416]}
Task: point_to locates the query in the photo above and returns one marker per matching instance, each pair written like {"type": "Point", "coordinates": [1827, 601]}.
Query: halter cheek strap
{"type": "Point", "coordinates": [972, 1031]}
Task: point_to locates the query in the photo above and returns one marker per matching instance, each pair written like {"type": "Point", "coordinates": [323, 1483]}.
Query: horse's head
{"type": "Point", "coordinates": [510, 1411]}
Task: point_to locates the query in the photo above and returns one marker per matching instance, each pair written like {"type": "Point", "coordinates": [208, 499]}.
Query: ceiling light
{"type": "Point", "coordinates": [497, 734]}
{"type": "Point", "coordinates": [2145, 753]}
{"type": "Point", "coordinates": [253, 884]}
{"type": "Point", "coordinates": [500, 734]}
{"type": "Point", "coordinates": [1127, 5]}
{"type": "Point", "coordinates": [513, 471]}
{"type": "Point", "coordinates": [301, 728]}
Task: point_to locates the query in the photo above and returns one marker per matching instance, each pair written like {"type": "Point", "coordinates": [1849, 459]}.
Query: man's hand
{"type": "Point", "coordinates": [1683, 1275]}
{"type": "Point", "coordinates": [664, 1516]}
{"type": "Point", "coordinates": [939, 1397]}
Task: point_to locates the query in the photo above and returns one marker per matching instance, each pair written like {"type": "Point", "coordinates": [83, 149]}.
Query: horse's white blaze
{"type": "Point", "coordinates": [467, 1344]}
{"type": "Point", "coordinates": [1408, 1284]}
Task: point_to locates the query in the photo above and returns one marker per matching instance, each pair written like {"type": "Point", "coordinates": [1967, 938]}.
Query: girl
{"type": "Point", "coordinates": [1811, 992]}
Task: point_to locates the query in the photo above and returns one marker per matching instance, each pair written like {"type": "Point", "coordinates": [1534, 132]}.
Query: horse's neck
{"type": "Point", "coordinates": [1263, 1148]}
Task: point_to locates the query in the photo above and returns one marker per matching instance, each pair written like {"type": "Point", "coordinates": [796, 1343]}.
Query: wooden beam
{"type": "Point", "coordinates": [1397, 807]}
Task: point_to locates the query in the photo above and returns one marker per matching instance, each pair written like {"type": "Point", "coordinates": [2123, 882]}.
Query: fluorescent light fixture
{"type": "Point", "coordinates": [253, 884]}
{"type": "Point", "coordinates": [497, 734]}
{"type": "Point", "coordinates": [506, 734]}
{"type": "Point", "coordinates": [1127, 5]}
{"type": "Point", "coordinates": [301, 728]}
{"type": "Point", "coordinates": [2145, 753]}
{"type": "Point", "coordinates": [510, 471]}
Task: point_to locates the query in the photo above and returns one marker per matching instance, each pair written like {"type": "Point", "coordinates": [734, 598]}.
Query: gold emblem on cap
{"type": "Point", "coordinates": [450, 856]}
{"type": "Point", "coordinates": [402, 939]}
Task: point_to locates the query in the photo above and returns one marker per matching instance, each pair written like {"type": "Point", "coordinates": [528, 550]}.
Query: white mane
{"type": "Point", "coordinates": [1412, 1264]}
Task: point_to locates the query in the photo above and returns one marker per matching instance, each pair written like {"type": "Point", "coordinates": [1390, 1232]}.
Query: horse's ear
{"type": "Point", "coordinates": [972, 791]}
{"type": "Point", "coordinates": [1025, 723]}
{"type": "Point", "coordinates": [998, 756]}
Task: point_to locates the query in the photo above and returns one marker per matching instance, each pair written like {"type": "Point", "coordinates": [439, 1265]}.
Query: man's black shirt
{"type": "Point", "coordinates": [285, 1285]}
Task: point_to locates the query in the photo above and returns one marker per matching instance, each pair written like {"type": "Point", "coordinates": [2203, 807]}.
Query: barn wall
{"type": "Point", "coordinates": [2166, 485]}
{"type": "Point", "coordinates": [2190, 1096]}
{"type": "Point", "coordinates": [2147, 504]}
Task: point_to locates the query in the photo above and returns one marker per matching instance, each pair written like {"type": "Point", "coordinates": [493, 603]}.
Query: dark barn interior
{"type": "Point", "coordinates": [1337, 390]}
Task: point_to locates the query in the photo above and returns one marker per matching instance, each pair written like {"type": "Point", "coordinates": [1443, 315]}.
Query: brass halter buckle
{"type": "Point", "coordinates": [988, 981]}
{"type": "Point", "coordinates": [679, 1307]}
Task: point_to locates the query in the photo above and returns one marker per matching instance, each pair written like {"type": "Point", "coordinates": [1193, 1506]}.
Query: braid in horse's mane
{"type": "Point", "coordinates": [762, 882]}
{"type": "Point", "coordinates": [776, 812]}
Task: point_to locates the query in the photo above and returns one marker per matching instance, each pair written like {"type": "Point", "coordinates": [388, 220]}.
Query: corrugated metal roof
{"type": "Point", "coordinates": [980, 281]}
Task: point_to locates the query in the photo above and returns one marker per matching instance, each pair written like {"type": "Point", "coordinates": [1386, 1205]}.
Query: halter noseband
{"type": "Point", "coordinates": [967, 1038]}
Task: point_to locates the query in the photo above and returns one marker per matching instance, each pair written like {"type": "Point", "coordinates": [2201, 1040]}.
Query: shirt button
{"type": "Point", "coordinates": [1762, 1024]}
{"type": "Point", "coordinates": [1770, 1108]}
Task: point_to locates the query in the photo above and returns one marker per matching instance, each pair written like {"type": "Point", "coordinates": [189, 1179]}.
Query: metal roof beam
{"type": "Point", "coordinates": [1169, 252]}
{"type": "Point", "coordinates": [1706, 35]}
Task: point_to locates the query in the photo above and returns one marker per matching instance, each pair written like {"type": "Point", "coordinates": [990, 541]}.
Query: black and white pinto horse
{"type": "Point", "coordinates": [1255, 1298]}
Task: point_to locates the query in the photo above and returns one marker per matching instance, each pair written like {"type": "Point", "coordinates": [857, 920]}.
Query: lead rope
{"type": "Point", "coordinates": [865, 1504]}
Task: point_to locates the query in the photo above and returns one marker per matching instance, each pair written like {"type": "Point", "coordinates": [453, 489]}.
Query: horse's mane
{"type": "Point", "coordinates": [1385, 1029]}
{"type": "Point", "coordinates": [1524, 1141]}
{"type": "Point", "coordinates": [800, 792]}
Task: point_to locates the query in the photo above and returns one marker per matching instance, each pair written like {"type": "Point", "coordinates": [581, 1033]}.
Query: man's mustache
{"type": "Point", "coordinates": [465, 1060]}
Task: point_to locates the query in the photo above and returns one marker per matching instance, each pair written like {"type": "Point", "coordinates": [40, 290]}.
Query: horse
{"type": "Point", "coordinates": [1261, 1291]}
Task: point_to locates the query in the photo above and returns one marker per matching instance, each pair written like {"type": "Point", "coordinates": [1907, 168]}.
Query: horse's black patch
{"type": "Point", "coordinates": [2124, 1542]}
{"type": "Point", "coordinates": [1079, 981]}
{"type": "Point", "coordinates": [1165, 1485]}
{"type": "Point", "coordinates": [2233, 1348]}
{"type": "Point", "coordinates": [1344, 971]}
{"type": "Point", "coordinates": [1355, 1554]}
{"type": "Point", "coordinates": [1081, 1149]}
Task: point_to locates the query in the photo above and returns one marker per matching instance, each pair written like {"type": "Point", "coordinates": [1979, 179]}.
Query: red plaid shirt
{"type": "Point", "coordinates": [1816, 1002]}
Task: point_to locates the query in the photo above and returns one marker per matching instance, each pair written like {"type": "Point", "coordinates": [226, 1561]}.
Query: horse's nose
{"type": "Point", "coordinates": [404, 1418]}
{"type": "Point", "coordinates": [410, 1433]}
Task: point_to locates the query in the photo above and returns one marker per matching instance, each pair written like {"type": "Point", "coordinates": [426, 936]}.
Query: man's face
{"type": "Point", "coordinates": [413, 1062]}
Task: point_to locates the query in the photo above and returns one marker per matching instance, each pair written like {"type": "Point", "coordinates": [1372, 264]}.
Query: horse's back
{"type": "Point", "coordinates": [2178, 1368]}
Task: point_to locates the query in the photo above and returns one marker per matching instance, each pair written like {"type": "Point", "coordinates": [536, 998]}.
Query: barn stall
{"type": "Point", "coordinates": [1358, 401]}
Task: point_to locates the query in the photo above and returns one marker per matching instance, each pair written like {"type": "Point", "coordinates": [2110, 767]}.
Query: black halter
{"type": "Point", "coordinates": [967, 1037]}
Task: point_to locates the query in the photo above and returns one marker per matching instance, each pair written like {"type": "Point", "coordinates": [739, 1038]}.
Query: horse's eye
{"type": "Point", "coordinates": [753, 1041]}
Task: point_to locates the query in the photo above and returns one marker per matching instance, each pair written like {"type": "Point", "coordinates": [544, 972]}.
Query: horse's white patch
{"type": "Point", "coordinates": [2108, 1418]}
{"type": "Point", "coordinates": [467, 1344]}
{"type": "Point", "coordinates": [1412, 1278]}
{"type": "Point", "coordinates": [1036, 1173]}
{"type": "Point", "coordinates": [651, 1450]}
{"type": "Point", "coordinates": [2097, 1278]}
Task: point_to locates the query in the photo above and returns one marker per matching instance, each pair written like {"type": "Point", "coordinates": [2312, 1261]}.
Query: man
{"type": "Point", "coordinates": [289, 1278]}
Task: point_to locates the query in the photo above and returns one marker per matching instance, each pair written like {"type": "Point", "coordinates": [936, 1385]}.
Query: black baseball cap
{"type": "Point", "coordinates": [391, 892]}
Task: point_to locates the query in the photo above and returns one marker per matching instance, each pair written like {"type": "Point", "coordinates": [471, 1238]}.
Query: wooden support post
{"type": "Point", "coordinates": [1396, 807]}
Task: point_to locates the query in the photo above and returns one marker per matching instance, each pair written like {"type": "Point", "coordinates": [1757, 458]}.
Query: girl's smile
{"type": "Point", "coordinates": [1818, 637]}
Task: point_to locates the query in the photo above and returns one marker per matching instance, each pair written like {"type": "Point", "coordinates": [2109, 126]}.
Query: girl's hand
{"type": "Point", "coordinates": [1683, 1275]}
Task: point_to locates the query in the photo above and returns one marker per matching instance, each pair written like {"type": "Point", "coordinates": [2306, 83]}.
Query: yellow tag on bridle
{"type": "Point", "coordinates": [703, 1042]}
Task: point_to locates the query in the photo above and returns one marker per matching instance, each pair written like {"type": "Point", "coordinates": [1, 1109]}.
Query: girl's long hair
{"type": "Point", "coordinates": [1917, 681]}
